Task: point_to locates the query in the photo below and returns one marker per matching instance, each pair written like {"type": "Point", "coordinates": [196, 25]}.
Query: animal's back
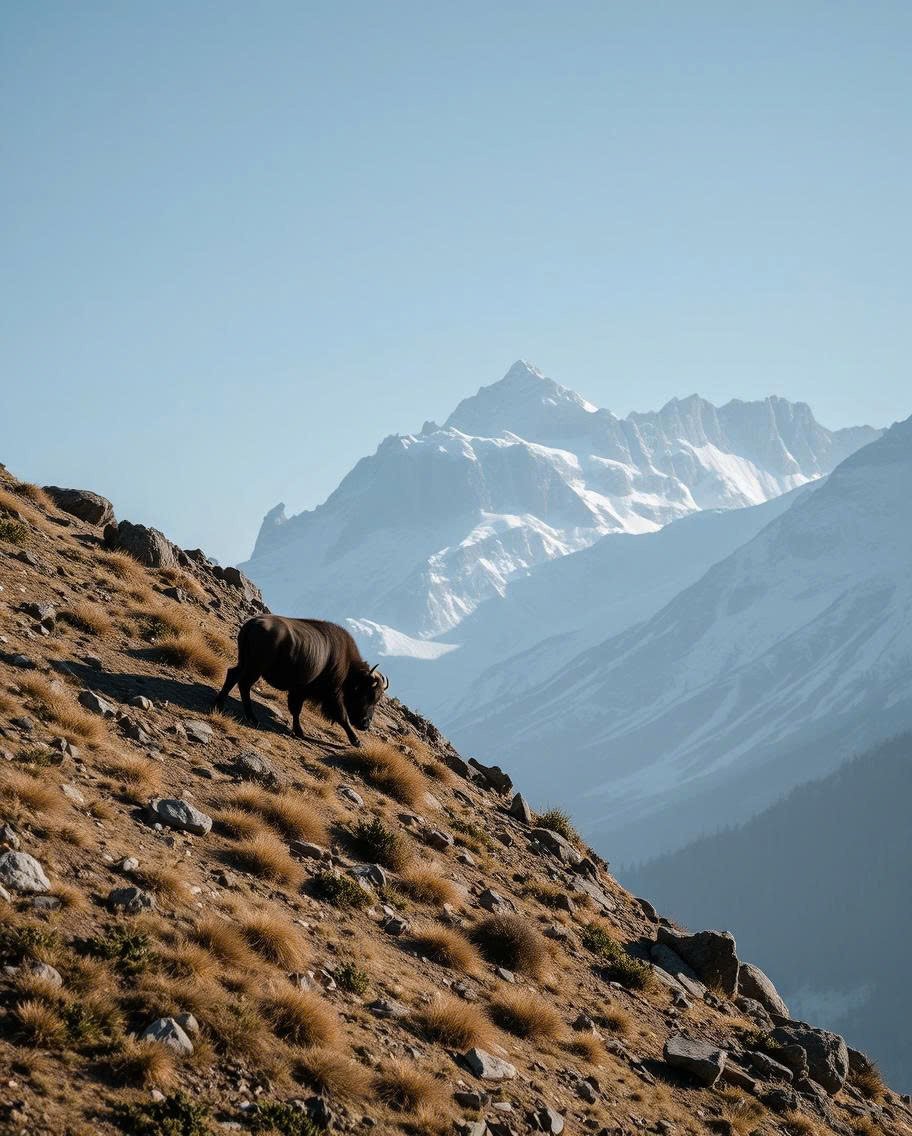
{"type": "Point", "coordinates": [289, 651]}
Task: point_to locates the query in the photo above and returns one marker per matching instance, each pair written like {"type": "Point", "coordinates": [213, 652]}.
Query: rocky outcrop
{"type": "Point", "coordinates": [753, 983]}
{"type": "Point", "coordinates": [700, 1059]}
{"type": "Point", "coordinates": [82, 503]}
{"type": "Point", "coordinates": [827, 1053]}
{"type": "Point", "coordinates": [147, 545]}
{"type": "Point", "coordinates": [712, 954]}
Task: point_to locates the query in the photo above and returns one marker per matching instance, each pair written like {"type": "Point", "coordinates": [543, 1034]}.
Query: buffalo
{"type": "Point", "coordinates": [314, 661]}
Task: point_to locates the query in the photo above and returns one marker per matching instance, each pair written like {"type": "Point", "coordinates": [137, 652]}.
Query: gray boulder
{"type": "Point", "coordinates": [673, 964]}
{"type": "Point", "coordinates": [178, 814]}
{"type": "Point", "coordinates": [82, 503]}
{"type": "Point", "coordinates": [768, 1068]}
{"type": "Point", "coordinates": [131, 900]}
{"type": "Point", "coordinates": [252, 766]}
{"type": "Point", "coordinates": [827, 1053]}
{"type": "Point", "coordinates": [521, 810]}
{"type": "Point", "coordinates": [700, 1059]}
{"type": "Point", "coordinates": [488, 1067]}
{"type": "Point", "coordinates": [557, 845]}
{"type": "Point", "coordinates": [712, 954]}
{"type": "Point", "coordinates": [45, 972]}
{"type": "Point", "coordinates": [98, 705]}
{"type": "Point", "coordinates": [753, 983]}
{"type": "Point", "coordinates": [168, 1031]}
{"type": "Point", "coordinates": [21, 872]}
{"type": "Point", "coordinates": [147, 545]}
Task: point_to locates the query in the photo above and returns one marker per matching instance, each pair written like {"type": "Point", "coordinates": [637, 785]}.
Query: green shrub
{"type": "Point", "coordinates": [281, 1119]}
{"type": "Point", "coordinates": [18, 943]}
{"type": "Point", "coordinates": [129, 950]}
{"type": "Point", "coordinates": [340, 891]}
{"type": "Point", "coordinates": [374, 842]}
{"type": "Point", "coordinates": [12, 531]}
{"type": "Point", "coordinates": [176, 1115]}
{"type": "Point", "coordinates": [351, 978]}
{"type": "Point", "coordinates": [556, 820]}
{"type": "Point", "coordinates": [617, 964]}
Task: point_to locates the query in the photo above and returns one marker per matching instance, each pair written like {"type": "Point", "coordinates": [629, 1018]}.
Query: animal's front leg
{"type": "Point", "coordinates": [343, 720]}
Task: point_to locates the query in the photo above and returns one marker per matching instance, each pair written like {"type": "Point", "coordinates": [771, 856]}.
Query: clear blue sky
{"type": "Point", "coordinates": [243, 242]}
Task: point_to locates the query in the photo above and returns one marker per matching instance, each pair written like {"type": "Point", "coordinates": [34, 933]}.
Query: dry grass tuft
{"type": "Point", "coordinates": [429, 764]}
{"type": "Point", "coordinates": [869, 1082]}
{"type": "Point", "coordinates": [73, 834]}
{"type": "Point", "coordinates": [36, 495]}
{"type": "Point", "coordinates": [190, 960]}
{"type": "Point", "coordinates": [274, 939]}
{"type": "Point", "coordinates": [301, 1017]}
{"type": "Point", "coordinates": [140, 777]}
{"type": "Point", "coordinates": [448, 948]}
{"type": "Point", "coordinates": [88, 617]}
{"type": "Point", "coordinates": [13, 504]}
{"type": "Point", "coordinates": [145, 1063]}
{"type": "Point", "coordinates": [177, 578]}
{"type": "Point", "coordinates": [8, 704]}
{"type": "Point", "coordinates": [39, 1024]}
{"type": "Point", "coordinates": [264, 855]}
{"type": "Point", "coordinates": [165, 883]}
{"type": "Point", "coordinates": [35, 795]}
{"type": "Point", "coordinates": [797, 1124]}
{"type": "Point", "coordinates": [526, 1014]}
{"type": "Point", "coordinates": [70, 898]}
{"type": "Point", "coordinates": [223, 940]}
{"type": "Point", "coordinates": [240, 825]}
{"type": "Point", "coordinates": [454, 1023]}
{"type": "Point", "coordinates": [509, 941]}
{"type": "Point", "coordinates": [406, 1089]}
{"type": "Point", "coordinates": [124, 567]}
{"type": "Point", "coordinates": [53, 703]}
{"type": "Point", "coordinates": [329, 1073]}
{"type": "Point", "coordinates": [743, 1113]}
{"type": "Point", "coordinates": [587, 1047]}
{"type": "Point", "coordinates": [287, 812]}
{"type": "Point", "coordinates": [425, 884]}
{"type": "Point", "coordinates": [864, 1126]}
{"type": "Point", "coordinates": [388, 770]}
{"type": "Point", "coordinates": [616, 1019]}
{"type": "Point", "coordinates": [192, 652]}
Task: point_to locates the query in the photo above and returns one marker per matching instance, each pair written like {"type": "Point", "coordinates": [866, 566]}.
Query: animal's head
{"type": "Point", "coordinates": [363, 690]}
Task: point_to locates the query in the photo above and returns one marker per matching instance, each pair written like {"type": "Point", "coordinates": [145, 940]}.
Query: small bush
{"type": "Point", "coordinates": [557, 820]}
{"type": "Point", "coordinates": [277, 1118]}
{"type": "Point", "coordinates": [510, 941]}
{"type": "Point", "coordinates": [525, 1014]}
{"type": "Point", "coordinates": [351, 978]}
{"type": "Point", "coordinates": [617, 964]}
{"type": "Point", "coordinates": [743, 1113]}
{"type": "Point", "coordinates": [340, 891]}
{"type": "Point", "coordinates": [407, 1089]}
{"type": "Point", "coordinates": [176, 1115]}
{"type": "Point", "coordinates": [375, 843]}
{"type": "Point", "coordinates": [39, 1024]}
{"type": "Point", "coordinates": [425, 884]}
{"type": "Point", "coordinates": [448, 948]}
{"type": "Point", "coordinates": [301, 1017]}
{"type": "Point", "coordinates": [326, 1071]}
{"type": "Point", "coordinates": [19, 941]}
{"type": "Point", "coordinates": [454, 1023]}
{"type": "Point", "coordinates": [12, 532]}
{"type": "Point", "coordinates": [129, 951]}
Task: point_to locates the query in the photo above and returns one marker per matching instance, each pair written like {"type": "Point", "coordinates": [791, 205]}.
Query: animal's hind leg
{"type": "Point", "coordinates": [295, 705]}
{"type": "Point", "coordinates": [231, 679]}
{"type": "Point", "coordinates": [245, 684]}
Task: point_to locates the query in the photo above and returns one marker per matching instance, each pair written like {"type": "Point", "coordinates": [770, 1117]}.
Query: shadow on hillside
{"type": "Point", "coordinates": [196, 697]}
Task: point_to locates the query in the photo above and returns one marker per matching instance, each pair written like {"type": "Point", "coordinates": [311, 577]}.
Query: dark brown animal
{"type": "Point", "coordinates": [315, 662]}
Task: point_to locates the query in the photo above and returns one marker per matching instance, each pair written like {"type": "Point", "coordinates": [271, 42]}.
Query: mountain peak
{"type": "Point", "coordinates": [524, 402]}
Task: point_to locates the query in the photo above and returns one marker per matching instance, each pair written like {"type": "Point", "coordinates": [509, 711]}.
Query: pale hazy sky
{"type": "Point", "coordinates": [243, 242]}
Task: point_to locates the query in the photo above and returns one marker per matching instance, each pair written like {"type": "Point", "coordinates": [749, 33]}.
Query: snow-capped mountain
{"type": "Point", "coordinates": [779, 663]}
{"type": "Point", "coordinates": [418, 535]}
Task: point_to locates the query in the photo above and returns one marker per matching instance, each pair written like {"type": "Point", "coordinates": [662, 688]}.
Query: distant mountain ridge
{"type": "Point", "coordinates": [422, 532]}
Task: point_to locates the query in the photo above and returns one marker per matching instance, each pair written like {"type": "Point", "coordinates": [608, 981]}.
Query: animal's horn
{"type": "Point", "coordinates": [373, 668]}
{"type": "Point", "coordinates": [386, 682]}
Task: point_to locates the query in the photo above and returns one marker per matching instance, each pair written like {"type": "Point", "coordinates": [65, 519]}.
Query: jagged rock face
{"type": "Point", "coordinates": [827, 1054]}
{"type": "Point", "coordinates": [753, 983]}
{"type": "Point", "coordinates": [89, 507]}
{"type": "Point", "coordinates": [147, 545]}
{"type": "Point", "coordinates": [521, 473]}
{"type": "Point", "coordinates": [712, 954]}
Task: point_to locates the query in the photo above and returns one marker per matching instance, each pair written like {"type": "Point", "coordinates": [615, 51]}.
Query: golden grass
{"type": "Point", "coordinates": [330, 1073]}
{"type": "Point", "coordinates": [264, 855]}
{"type": "Point", "coordinates": [797, 1124]}
{"type": "Point", "coordinates": [164, 882]}
{"type": "Point", "coordinates": [88, 617]}
{"type": "Point", "coordinates": [616, 1019]}
{"type": "Point", "coordinates": [587, 1047]}
{"type": "Point", "coordinates": [241, 825]}
{"type": "Point", "coordinates": [190, 651]}
{"type": "Point", "coordinates": [388, 770]}
{"type": "Point", "coordinates": [39, 1024]}
{"type": "Point", "coordinates": [869, 1082]}
{"type": "Point", "coordinates": [124, 567]}
{"type": "Point", "coordinates": [8, 704]}
{"type": "Point", "coordinates": [190, 960]}
{"type": "Point", "coordinates": [429, 764]}
{"type": "Point", "coordinates": [510, 941]}
{"type": "Point", "coordinates": [145, 1063]}
{"type": "Point", "coordinates": [425, 884]}
{"type": "Point", "coordinates": [31, 793]}
{"type": "Point", "coordinates": [406, 1089]}
{"type": "Point", "coordinates": [31, 986]}
{"type": "Point", "coordinates": [177, 578]}
{"type": "Point", "coordinates": [864, 1126]}
{"type": "Point", "coordinates": [274, 939]}
{"type": "Point", "coordinates": [287, 812]}
{"type": "Point", "coordinates": [141, 776]}
{"type": "Point", "coordinates": [526, 1014]}
{"type": "Point", "coordinates": [74, 834]}
{"type": "Point", "coordinates": [454, 1023]}
{"type": "Point", "coordinates": [36, 495]}
{"type": "Point", "coordinates": [70, 898]}
{"type": "Point", "coordinates": [13, 503]}
{"type": "Point", "coordinates": [301, 1017]}
{"type": "Point", "coordinates": [223, 940]}
{"type": "Point", "coordinates": [743, 1113]}
{"type": "Point", "coordinates": [448, 948]}
{"type": "Point", "coordinates": [54, 704]}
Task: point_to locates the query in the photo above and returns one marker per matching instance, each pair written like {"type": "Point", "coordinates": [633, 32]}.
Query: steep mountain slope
{"type": "Point", "coordinates": [782, 660]}
{"type": "Point", "coordinates": [206, 927]}
{"type": "Point", "coordinates": [543, 620]}
{"type": "Point", "coordinates": [808, 887]}
{"type": "Point", "coordinates": [524, 472]}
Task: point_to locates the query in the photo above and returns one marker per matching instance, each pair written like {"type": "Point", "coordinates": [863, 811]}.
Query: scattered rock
{"type": "Point", "coordinates": [179, 814]}
{"type": "Point", "coordinates": [168, 1031]}
{"type": "Point", "coordinates": [82, 503]}
{"type": "Point", "coordinates": [188, 1023]}
{"type": "Point", "coordinates": [9, 837]}
{"type": "Point", "coordinates": [672, 963]}
{"type": "Point", "coordinates": [309, 851]}
{"type": "Point", "coordinates": [437, 839]}
{"type": "Point", "coordinates": [43, 613]}
{"type": "Point", "coordinates": [557, 845]}
{"type": "Point", "coordinates": [827, 1053]}
{"type": "Point", "coordinates": [587, 1090]}
{"type": "Point", "coordinates": [712, 954]}
{"type": "Point", "coordinates": [388, 1008]}
{"type": "Point", "coordinates": [492, 900]}
{"type": "Point", "coordinates": [493, 775]}
{"type": "Point", "coordinates": [521, 810]}
{"type": "Point", "coordinates": [251, 766]}
{"type": "Point", "coordinates": [549, 1120]}
{"type": "Point", "coordinates": [132, 900]}
{"type": "Point", "coordinates": [141, 702]}
{"type": "Point", "coordinates": [701, 1059]}
{"type": "Point", "coordinates": [199, 732]}
{"type": "Point", "coordinates": [769, 1069]}
{"type": "Point", "coordinates": [781, 1100]}
{"type": "Point", "coordinates": [72, 794]}
{"type": "Point", "coordinates": [131, 729]}
{"type": "Point", "coordinates": [351, 795]}
{"type": "Point", "coordinates": [147, 545]}
{"type": "Point", "coordinates": [488, 1067]}
{"type": "Point", "coordinates": [45, 972]}
{"type": "Point", "coordinates": [753, 983]}
{"type": "Point", "coordinates": [21, 872]}
{"type": "Point", "coordinates": [98, 705]}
